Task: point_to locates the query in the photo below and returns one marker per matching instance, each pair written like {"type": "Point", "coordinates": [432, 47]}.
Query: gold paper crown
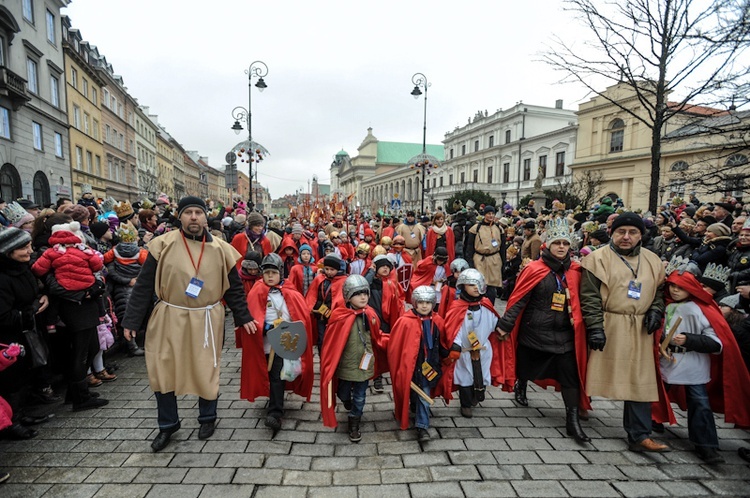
{"type": "Point", "coordinates": [127, 233]}
{"type": "Point", "coordinates": [716, 272]}
{"type": "Point", "coordinates": [558, 229]}
{"type": "Point", "coordinates": [147, 204]}
{"type": "Point", "coordinates": [123, 209]}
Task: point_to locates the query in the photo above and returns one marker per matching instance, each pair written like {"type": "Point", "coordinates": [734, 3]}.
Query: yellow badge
{"type": "Point", "coordinates": [558, 301]}
{"type": "Point", "coordinates": [428, 372]}
{"type": "Point", "coordinates": [473, 340]}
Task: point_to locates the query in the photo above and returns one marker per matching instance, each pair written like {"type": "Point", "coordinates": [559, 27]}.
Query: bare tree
{"type": "Point", "coordinates": [661, 48]}
{"type": "Point", "coordinates": [587, 186]}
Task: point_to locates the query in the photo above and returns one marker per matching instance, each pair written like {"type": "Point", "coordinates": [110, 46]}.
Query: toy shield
{"type": "Point", "coordinates": [403, 275]}
{"type": "Point", "coordinates": [288, 339]}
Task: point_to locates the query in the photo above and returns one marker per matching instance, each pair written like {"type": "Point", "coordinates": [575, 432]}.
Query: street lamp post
{"type": "Point", "coordinates": [424, 162]}
{"type": "Point", "coordinates": [250, 152]}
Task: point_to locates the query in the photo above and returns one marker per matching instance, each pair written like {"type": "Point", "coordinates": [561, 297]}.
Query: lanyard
{"type": "Point", "coordinates": [637, 268]}
{"type": "Point", "coordinates": [427, 339]}
{"type": "Point", "coordinates": [358, 324]}
{"type": "Point", "coordinates": [560, 283]}
{"type": "Point", "coordinates": [200, 258]}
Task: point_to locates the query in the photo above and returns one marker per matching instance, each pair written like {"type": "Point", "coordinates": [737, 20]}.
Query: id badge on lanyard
{"type": "Point", "coordinates": [634, 290]}
{"type": "Point", "coordinates": [194, 287]}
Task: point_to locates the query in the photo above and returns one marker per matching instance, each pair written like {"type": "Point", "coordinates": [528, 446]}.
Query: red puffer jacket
{"type": "Point", "coordinates": [74, 268]}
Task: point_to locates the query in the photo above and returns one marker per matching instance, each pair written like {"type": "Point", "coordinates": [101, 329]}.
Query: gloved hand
{"type": "Point", "coordinates": [652, 321]}
{"type": "Point", "coordinates": [597, 339]}
{"type": "Point", "coordinates": [452, 357]}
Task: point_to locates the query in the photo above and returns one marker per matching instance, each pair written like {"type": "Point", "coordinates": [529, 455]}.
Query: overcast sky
{"type": "Point", "coordinates": [335, 69]}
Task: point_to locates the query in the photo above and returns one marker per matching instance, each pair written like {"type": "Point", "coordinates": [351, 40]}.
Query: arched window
{"type": "Point", "coordinates": [736, 160]}
{"type": "Point", "coordinates": [10, 182]}
{"type": "Point", "coordinates": [616, 135]}
{"type": "Point", "coordinates": [41, 189]}
{"type": "Point", "coordinates": [679, 166]}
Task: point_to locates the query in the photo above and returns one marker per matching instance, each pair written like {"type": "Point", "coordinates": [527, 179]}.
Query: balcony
{"type": "Point", "coordinates": [13, 87]}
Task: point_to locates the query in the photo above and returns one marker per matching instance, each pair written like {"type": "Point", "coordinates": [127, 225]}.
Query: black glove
{"type": "Point", "coordinates": [652, 321]}
{"type": "Point", "coordinates": [597, 339]}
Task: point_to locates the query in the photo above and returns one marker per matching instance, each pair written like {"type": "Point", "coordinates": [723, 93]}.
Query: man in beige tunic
{"type": "Point", "coordinates": [622, 301]}
{"type": "Point", "coordinates": [484, 249]}
{"type": "Point", "coordinates": [413, 233]}
{"type": "Point", "coordinates": [190, 272]}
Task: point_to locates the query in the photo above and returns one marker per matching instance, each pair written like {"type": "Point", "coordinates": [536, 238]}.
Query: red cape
{"type": "Point", "coordinates": [447, 298]}
{"type": "Point", "coordinates": [240, 242]}
{"type": "Point", "coordinates": [450, 243]}
{"type": "Point", "coordinates": [424, 273]}
{"type": "Point", "coordinates": [337, 297]}
{"type": "Point", "coordinates": [403, 349]}
{"type": "Point", "coordinates": [334, 342]}
{"type": "Point", "coordinates": [500, 369]}
{"type": "Point", "coordinates": [729, 387]}
{"type": "Point", "coordinates": [254, 378]}
{"type": "Point", "coordinates": [392, 307]}
{"type": "Point", "coordinates": [529, 278]}
{"type": "Point", "coordinates": [296, 277]}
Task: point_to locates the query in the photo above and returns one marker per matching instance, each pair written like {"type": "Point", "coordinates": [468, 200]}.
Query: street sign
{"type": "Point", "coordinates": [396, 204]}
{"type": "Point", "coordinates": [231, 157]}
{"type": "Point", "coordinates": [230, 176]}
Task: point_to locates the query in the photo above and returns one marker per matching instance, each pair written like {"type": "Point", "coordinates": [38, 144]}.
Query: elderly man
{"type": "Point", "coordinates": [484, 248]}
{"type": "Point", "coordinates": [622, 304]}
{"type": "Point", "coordinates": [190, 272]}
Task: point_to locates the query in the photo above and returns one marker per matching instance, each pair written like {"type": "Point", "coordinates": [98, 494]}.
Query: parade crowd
{"type": "Point", "coordinates": [648, 308]}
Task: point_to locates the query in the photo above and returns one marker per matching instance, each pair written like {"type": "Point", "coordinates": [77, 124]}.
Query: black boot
{"type": "Point", "coordinates": [354, 435]}
{"type": "Point", "coordinates": [519, 390]}
{"type": "Point", "coordinates": [573, 425]}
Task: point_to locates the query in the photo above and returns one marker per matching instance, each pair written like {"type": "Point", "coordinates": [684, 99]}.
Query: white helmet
{"type": "Point", "coordinates": [355, 284]}
{"type": "Point", "coordinates": [472, 276]}
{"type": "Point", "coordinates": [423, 294]}
{"type": "Point", "coordinates": [459, 265]}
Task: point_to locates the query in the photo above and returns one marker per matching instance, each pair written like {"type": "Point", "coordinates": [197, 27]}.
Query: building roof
{"type": "Point", "coordinates": [401, 152]}
{"type": "Point", "coordinates": [342, 153]}
{"type": "Point", "coordinates": [714, 124]}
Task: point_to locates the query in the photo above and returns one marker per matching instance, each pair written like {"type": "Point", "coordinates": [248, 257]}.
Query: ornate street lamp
{"type": "Point", "coordinates": [423, 163]}
{"type": "Point", "coordinates": [249, 151]}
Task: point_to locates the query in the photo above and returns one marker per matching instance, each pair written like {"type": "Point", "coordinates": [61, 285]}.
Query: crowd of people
{"type": "Point", "coordinates": [641, 307]}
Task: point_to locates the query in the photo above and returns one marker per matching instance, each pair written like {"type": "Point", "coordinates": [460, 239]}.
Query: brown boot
{"type": "Point", "coordinates": [650, 446]}
{"type": "Point", "coordinates": [354, 435]}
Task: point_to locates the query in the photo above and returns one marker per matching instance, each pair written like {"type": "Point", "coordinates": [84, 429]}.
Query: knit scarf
{"type": "Point", "coordinates": [440, 230]}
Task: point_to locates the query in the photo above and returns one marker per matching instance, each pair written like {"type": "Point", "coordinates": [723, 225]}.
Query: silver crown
{"type": "Point", "coordinates": [682, 265]}
{"type": "Point", "coordinates": [14, 212]}
{"type": "Point", "coordinates": [716, 272]}
{"type": "Point", "coordinates": [558, 229]}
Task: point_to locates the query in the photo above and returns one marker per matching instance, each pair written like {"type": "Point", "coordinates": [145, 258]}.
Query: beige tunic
{"type": "Point", "coordinates": [626, 369]}
{"type": "Point", "coordinates": [180, 349]}
{"type": "Point", "coordinates": [487, 258]}
{"type": "Point", "coordinates": [413, 235]}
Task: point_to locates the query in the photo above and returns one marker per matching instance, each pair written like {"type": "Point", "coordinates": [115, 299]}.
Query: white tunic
{"type": "Point", "coordinates": [275, 308]}
{"type": "Point", "coordinates": [482, 322]}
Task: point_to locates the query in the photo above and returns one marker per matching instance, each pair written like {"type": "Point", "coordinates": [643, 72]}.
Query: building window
{"type": "Point", "coordinates": [450, 152]}
{"type": "Point", "coordinates": [31, 76]}
{"type": "Point", "coordinates": [79, 158]}
{"type": "Point", "coordinates": [54, 91]}
{"type": "Point", "coordinates": [463, 177]}
{"type": "Point", "coordinates": [543, 166]}
{"type": "Point", "coordinates": [506, 172]}
{"type": "Point", "coordinates": [98, 164]}
{"type": "Point", "coordinates": [73, 77]}
{"type": "Point", "coordinates": [4, 122]}
{"type": "Point", "coordinates": [58, 144]}
{"type": "Point", "coordinates": [560, 164]}
{"type": "Point", "coordinates": [37, 130]}
{"type": "Point", "coordinates": [51, 27]}
{"type": "Point", "coordinates": [616, 135]}
{"type": "Point", "coordinates": [3, 44]}
{"type": "Point", "coordinates": [441, 181]}
{"type": "Point", "coordinates": [476, 145]}
{"type": "Point", "coordinates": [450, 179]}
{"type": "Point", "coordinates": [679, 166]}
{"type": "Point", "coordinates": [107, 132]}
{"type": "Point", "coordinates": [77, 117]}
{"type": "Point", "coordinates": [507, 136]}
{"type": "Point", "coordinates": [86, 123]}
{"type": "Point", "coordinates": [463, 150]}
{"type": "Point", "coordinates": [476, 176]}
{"type": "Point", "coordinates": [28, 10]}
{"type": "Point", "coordinates": [105, 97]}
{"type": "Point", "coordinates": [492, 141]}
{"type": "Point", "coordinates": [489, 174]}
{"type": "Point", "coordinates": [527, 169]}
{"type": "Point", "coordinates": [94, 96]}
{"type": "Point", "coordinates": [95, 127]}
{"type": "Point", "coordinates": [89, 162]}
{"type": "Point", "coordinates": [10, 182]}
{"type": "Point", "coordinates": [85, 87]}
{"type": "Point", "coordinates": [41, 189]}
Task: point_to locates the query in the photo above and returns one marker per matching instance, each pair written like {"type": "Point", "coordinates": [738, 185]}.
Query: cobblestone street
{"type": "Point", "coordinates": [505, 450]}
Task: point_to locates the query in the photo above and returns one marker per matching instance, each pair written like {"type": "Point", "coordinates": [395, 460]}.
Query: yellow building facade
{"type": "Point", "coordinates": [164, 165]}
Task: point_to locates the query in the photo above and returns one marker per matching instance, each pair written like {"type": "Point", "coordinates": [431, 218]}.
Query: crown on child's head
{"type": "Point", "coordinates": [682, 265]}
{"type": "Point", "coordinates": [127, 233]}
{"type": "Point", "coordinates": [716, 272]}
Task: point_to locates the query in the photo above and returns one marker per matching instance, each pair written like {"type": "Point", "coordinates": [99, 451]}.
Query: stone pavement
{"type": "Point", "coordinates": [505, 450]}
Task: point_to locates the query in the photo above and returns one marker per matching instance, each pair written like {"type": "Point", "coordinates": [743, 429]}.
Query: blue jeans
{"type": "Point", "coordinates": [701, 423]}
{"type": "Point", "coordinates": [168, 418]}
{"type": "Point", "coordinates": [422, 415]}
{"type": "Point", "coordinates": [636, 419]}
{"type": "Point", "coordinates": [353, 391]}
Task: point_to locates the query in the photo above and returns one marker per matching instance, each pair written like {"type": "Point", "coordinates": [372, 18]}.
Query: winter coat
{"type": "Point", "coordinates": [123, 265]}
{"type": "Point", "coordinates": [711, 251]}
{"type": "Point", "coordinates": [738, 261]}
{"type": "Point", "coordinates": [74, 267]}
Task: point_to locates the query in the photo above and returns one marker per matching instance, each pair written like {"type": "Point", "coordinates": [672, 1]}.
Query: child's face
{"type": "Point", "coordinates": [471, 290]}
{"type": "Point", "coordinates": [330, 272]}
{"type": "Point", "coordinates": [305, 256]}
{"type": "Point", "coordinates": [359, 301]}
{"type": "Point", "coordinates": [107, 236]}
{"type": "Point", "coordinates": [361, 255]}
{"type": "Point", "coordinates": [424, 308]}
{"type": "Point", "coordinates": [677, 293]}
{"type": "Point", "coordinates": [271, 278]}
{"type": "Point", "coordinates": [384, 271]}
{"type": "Point", "coordinates": [288, 251]}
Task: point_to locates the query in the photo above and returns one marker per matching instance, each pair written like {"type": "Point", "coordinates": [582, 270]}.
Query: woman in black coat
{"type": "Point", "coordinates": [20, 302]}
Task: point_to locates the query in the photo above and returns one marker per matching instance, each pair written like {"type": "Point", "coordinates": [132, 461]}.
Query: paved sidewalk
{"type": "Point", "coordinates": [505, 450]}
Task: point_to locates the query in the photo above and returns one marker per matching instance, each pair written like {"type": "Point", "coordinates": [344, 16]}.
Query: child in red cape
{"type": "Point", "coordinates": [273, 301]}
{"type": "Point", "coordinates": [477, 357]}
{"type": "Point", "coordinates": [727, 389]}
{"type": "Point", "coordinates": [302, 274]}
{"type": "Point", "coordinates": [431, 271]}
{"type": "Point", "coordinates": [324, 295]}
{"type": "Point", "coordinates": [450, 293]}
{"type": "Point", "coordinates": [289, 254]}
{"type": "Point", "coordinates": [349, 357]}
{"type": "Point", "coordinates": [415, 350]}
{"type": "Point", "coordinates": [384, 299]}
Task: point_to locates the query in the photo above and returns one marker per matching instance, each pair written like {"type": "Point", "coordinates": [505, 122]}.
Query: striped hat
{"type": "Point", "coordinates": [13, 238]}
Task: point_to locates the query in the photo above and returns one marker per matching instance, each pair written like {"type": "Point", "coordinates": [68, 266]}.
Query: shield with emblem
{"type": "Point", "coordinates": [288, 339]}
{"type": "Point", "coordinates": [403, 275]}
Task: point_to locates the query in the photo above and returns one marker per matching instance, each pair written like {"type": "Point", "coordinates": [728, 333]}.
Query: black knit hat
{"type": "Point", "coordinates": [629, 220]}
{"type": "Point", "coordinates": [600, 235]}
{"type": "Point", "coordinates": [332, 261]}
{"type": "Point", "coordinates": [191, 201]}
{"type": "Point", "coordinates": [99, 228]}
{"type": "Point", "coordinates": [13, 238]}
